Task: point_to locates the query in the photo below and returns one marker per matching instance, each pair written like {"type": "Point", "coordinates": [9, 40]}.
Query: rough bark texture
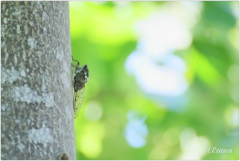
{"type": "Point", "coordinates": [37, 104]}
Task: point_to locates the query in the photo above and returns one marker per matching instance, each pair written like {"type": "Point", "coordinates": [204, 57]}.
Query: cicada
{"type": "Point", "coordinates": [79, 81]}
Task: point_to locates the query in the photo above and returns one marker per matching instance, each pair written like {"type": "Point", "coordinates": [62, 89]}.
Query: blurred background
{"type": "Point", "coordinates": [163, 79]}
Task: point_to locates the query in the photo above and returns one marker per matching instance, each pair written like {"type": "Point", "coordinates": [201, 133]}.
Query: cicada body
{"type": "Point", "coordinates": [79, 81]}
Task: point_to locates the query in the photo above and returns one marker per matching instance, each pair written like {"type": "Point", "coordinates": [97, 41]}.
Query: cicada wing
{"type": "Point", "coordinates": [78, 101]}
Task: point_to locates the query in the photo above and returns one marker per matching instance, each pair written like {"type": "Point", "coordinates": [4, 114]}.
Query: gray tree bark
{"type": "Point", "coordinates": [37, 102]}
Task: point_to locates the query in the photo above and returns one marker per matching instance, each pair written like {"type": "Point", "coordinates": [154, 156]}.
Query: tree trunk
{"type": "Point", "coordinates": [37, 103]}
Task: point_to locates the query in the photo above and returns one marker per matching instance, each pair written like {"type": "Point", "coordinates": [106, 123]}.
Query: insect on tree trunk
{"type": "Point", "coordinates": [37, 102]}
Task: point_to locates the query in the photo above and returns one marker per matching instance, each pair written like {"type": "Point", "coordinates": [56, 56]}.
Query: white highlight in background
{"type": "Point", "coordinates": [136, 130]}
{"type": "Point", "coordinates": [193, 147]}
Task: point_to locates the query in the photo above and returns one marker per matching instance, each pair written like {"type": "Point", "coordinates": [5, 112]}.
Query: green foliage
{"type": "Point", "coordinates": [103, 37]}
